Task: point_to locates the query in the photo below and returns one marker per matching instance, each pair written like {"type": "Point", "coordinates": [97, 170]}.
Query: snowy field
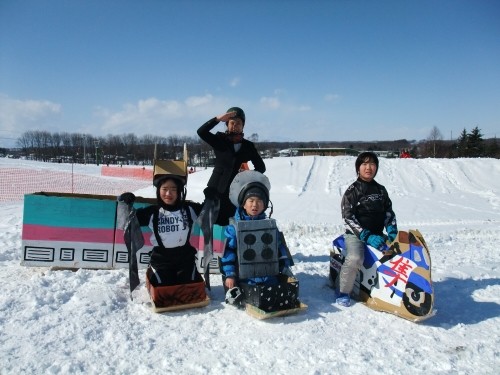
{"type": "Point", "coordinates": [83, 322]}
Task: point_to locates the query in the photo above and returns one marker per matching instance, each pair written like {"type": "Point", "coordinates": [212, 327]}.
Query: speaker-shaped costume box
{"type": "Point", "coordinates": [257, 248]}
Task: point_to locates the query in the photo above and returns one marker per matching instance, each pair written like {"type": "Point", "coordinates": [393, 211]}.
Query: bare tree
{"type": "Point", "coordinates": [254, 138]}
{"type": "Point", "coordinates": [56, 144]}
{"type": "Point", "coordinates": [434, 137]}
{"type": "Point", "coordinates": [66, 142]}
{"type": "Point", "coordinates": [25, 142]}
{"type": "Point", "coordinates": [130, 142]}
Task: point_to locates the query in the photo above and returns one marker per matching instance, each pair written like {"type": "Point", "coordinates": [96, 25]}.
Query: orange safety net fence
{"type": "Point", "coordinates": [16, 182]}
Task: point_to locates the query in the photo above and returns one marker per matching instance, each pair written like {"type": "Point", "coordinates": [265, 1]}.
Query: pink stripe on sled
{"type": "Point", "coordinates": [45, 233]}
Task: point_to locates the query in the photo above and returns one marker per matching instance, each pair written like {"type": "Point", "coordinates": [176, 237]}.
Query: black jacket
{"type": "Point", "coordinates": [227, 165]}
{"type": "Point", "coordinates": [366, 205]}
{"type": "Point", "coordinates": [227, 160]}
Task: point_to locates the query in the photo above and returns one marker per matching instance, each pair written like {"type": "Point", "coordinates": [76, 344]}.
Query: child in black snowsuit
{"type": "Point", "coordinates": [173, 257]}
{"type": "Point", "coordinates": [366, 211]}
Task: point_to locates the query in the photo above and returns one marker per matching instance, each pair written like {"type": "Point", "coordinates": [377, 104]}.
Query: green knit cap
{"type": "Point", "coordinates": [239, 113]}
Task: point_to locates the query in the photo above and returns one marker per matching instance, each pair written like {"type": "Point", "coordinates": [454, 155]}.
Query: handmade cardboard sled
{"type": "Point", "coordinates": [262, 315]}
{"type": "Point", "coordinates": [165, 298]}
{"type": "Point", "coordinates": [73, 231]}
{"type": "Point", "coordinates": [397, 281]}
{"type": "Point", "coordinates": [76, 231]}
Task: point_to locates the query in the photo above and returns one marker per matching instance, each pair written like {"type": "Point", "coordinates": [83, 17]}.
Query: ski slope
{"type": "Point", "coordinates": [61, 322]}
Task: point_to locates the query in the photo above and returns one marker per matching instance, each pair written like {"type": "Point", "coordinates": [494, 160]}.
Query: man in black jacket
{"type": "Point", "coordinates": [231, 150]}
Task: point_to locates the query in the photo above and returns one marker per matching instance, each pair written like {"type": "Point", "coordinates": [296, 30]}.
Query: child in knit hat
{"type": "Point", "coordinates": [254, 252]}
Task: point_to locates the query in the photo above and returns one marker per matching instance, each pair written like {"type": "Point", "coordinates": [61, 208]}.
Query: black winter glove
{"type": "Point", "coordinates": [128, 198]}
{"type": "Point", "coordinates": [211, 193]}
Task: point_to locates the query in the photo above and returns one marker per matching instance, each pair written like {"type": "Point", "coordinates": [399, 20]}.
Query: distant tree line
{"type": "Point", "coordinates": [112, 149]}
{"type": "Point", "coordinates": [131, 149]}
{"type": "Point", "coordinates": [470, 144]}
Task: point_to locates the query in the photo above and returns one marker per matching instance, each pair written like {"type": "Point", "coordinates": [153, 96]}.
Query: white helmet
{"type": "Point", "coordinates": [246, 180]}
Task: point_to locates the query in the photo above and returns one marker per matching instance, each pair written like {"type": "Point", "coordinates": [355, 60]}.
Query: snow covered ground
{"type": "Point", "coordinates": [83, 322]}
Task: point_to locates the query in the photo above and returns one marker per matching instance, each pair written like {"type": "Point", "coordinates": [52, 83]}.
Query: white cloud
{"type": "Point", "coordinates": [331, 97]}
{"type": "Point", "coordinates": [145, 112]}
{"type": "Point", "coordinates": [154, 105]}
{"type": "Point", "coordinates": [234, 82]}
{"type": "Point", "coordinates": [17, 115]}
{"type": "Point", "coordinates": [270, 102]}
{"type": "Point", "coordinates": [196, 101]}
{"type": "Point", "coordinates": [155, 116]}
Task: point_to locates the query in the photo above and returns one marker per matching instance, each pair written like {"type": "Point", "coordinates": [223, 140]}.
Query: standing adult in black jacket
{"type": "Point", "coordinates": [231, 150]}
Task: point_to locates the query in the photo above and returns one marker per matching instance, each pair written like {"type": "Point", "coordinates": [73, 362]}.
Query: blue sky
{"type": "Point", "coordinates": [301, 70]}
